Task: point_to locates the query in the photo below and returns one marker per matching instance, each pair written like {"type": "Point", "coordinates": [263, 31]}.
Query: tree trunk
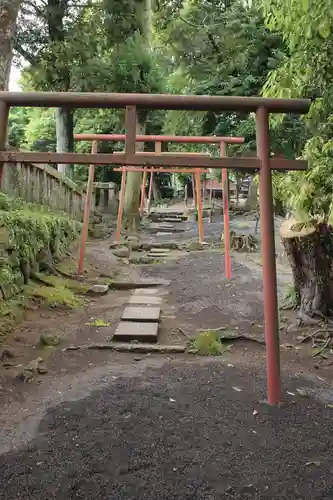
{"type": "Point", "coordinates": [309, 249]}
{"type": "Point", "coordinates": [133, 190]}
{"type": "Point", "coordinates": [143, 12]}
{"type": "Point", "coordinates": [8, 16]}
{"type": "Point", "coordinates": [65, 138]}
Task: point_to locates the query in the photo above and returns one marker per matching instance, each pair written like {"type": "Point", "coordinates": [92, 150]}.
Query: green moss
{"type": "Point", "coordinates": [206, 344]}
{"type": "Point", "coordinates": [99, 323]}
{"type": "Point", "coordinates": [11, 313]}
{"type": "Point", "coordinates": [30, 228]}
{"type": "Point", "coordinates": [30, 235]}
{"type": "Point", "coordinates": [71, 284]}
{"type": "Point", "coordinates": [59, 296]}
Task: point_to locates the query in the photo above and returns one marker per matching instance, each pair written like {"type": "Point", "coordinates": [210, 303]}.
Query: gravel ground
{"type": "Point", "coordinates": [160, 428]}
{"type": "Point", "coordinates": [180, 431]}
{"type": "Point", "coordinates": [204, 298]}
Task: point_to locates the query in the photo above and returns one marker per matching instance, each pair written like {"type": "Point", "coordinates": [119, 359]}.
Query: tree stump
{"type": "Point", "coordinates": [309, 248]}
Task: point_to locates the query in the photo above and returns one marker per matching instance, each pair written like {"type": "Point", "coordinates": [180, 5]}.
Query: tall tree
{"type": "Point", "coordinates": [46, 40]}
{"type": "Point", "coordinates": [8, 22]}
{"type": "Point", "coordinates": [306, 71]}
{"type": "Point", "coordinates": [142, 9]}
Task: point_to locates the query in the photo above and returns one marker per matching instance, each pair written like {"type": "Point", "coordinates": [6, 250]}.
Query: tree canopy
{"type": "Point", "coordinates": [227, 47]}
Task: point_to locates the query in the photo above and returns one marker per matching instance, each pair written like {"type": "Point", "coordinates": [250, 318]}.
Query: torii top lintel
{"type": "Point", "coordinates": [154, 101]}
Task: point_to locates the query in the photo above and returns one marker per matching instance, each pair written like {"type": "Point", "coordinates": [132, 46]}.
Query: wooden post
{"type": "Point", "coordinates": [271, 313]}
{"type": "Point", "coordinates": [86, 213]}
{"type": "Point", "coordinates": [193, 191]}
{"type": "Point", "coordinates": [226, 220]}
{"type": "Point", "coordinates": [121, 204]}
{"type": "Point", "coordinates": [199, 205]}
{"type": "Point", "coordinates": [143, 192]}
{"type": "Point", "coordinates": [150, 191]}
{"type": "Point", "coordinates": [4, 112]}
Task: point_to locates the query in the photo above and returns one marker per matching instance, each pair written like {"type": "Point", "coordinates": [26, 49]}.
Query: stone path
{"type": "Point", "coordinates": [140, 319]}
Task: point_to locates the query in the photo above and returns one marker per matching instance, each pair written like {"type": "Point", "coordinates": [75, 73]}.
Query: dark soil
{"type": "Point", "coordinates": [177, 432]}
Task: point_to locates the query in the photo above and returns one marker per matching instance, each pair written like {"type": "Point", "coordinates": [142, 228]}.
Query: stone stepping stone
{"type": "Point", "coordinates": [162, 225]}
{"type": "Point", "coordinates": [141, 314]}
{"type": "Point", "coordinates": [159, 250]}
{"type": "Point", "coordinates": [173, 219]}
{"type": "Point", "coordinates": [146, 291]}
{"type": "Point", "coordinates": [157, 255]}
{"type": "Point", "coordinates": [154, 282]}
{"type": "Point", "coordinates": [164, 228]}
{"type": "Point", "coordinates": [147, 300]}
{"type": "Point", "coordinates": [130, 330]}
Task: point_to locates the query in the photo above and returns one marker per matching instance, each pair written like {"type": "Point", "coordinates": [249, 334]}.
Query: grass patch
{"type": "Point", "coordinates": [207, 344]}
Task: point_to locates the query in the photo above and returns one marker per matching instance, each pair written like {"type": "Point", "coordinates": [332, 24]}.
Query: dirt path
{"type": "Point", "coordinates": [106, 425]}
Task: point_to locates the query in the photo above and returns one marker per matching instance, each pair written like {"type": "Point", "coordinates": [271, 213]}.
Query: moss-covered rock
{"type": "Point", "coordinates": [30, 237]}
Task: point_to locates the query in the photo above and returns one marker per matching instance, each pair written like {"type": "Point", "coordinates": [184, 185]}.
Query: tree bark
{"type": "Point", "coordinates": [310, 253]}
{"type": "Point", "coordinates": [8, 16]}
{"type": "Point", "coordinates": [64, 131]}
{"type": "Point", "coordinates": [133, 190]}
{"type": "Point", "coordinates": [56, 12]}
{"type": "Point", "coordinates": [143, 12]}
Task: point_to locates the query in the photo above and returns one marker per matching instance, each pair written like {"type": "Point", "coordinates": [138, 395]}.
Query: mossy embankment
{"type": "Point", "coordinates": [32, 240]}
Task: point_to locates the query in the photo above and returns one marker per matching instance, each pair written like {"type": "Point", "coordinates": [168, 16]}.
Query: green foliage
{"type": "Point", "coordinates": [223, 48]}
{"type": "Point", "coordinates": [306, 71]}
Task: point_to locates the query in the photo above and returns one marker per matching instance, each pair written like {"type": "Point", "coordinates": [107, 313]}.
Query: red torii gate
{"type": "Point", "coordinates": [262, 107]}
{"type": "Point", "coordinates": [158, 140]}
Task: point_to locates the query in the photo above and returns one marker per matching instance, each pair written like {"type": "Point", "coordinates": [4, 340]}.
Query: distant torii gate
{"type": "Point", "coordinates": [158, 140]}
{"type": "Point", "coordinates": [262, 107]}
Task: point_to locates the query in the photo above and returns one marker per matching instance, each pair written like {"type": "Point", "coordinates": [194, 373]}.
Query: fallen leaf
{"type": "Point", "coordinates": [237, 389]}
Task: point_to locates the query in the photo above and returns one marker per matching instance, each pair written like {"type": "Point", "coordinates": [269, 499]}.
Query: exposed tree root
{"type": "Point", "coordinates": [242, 242]}
{"type": "Point", "coordinates": [321, 339]}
